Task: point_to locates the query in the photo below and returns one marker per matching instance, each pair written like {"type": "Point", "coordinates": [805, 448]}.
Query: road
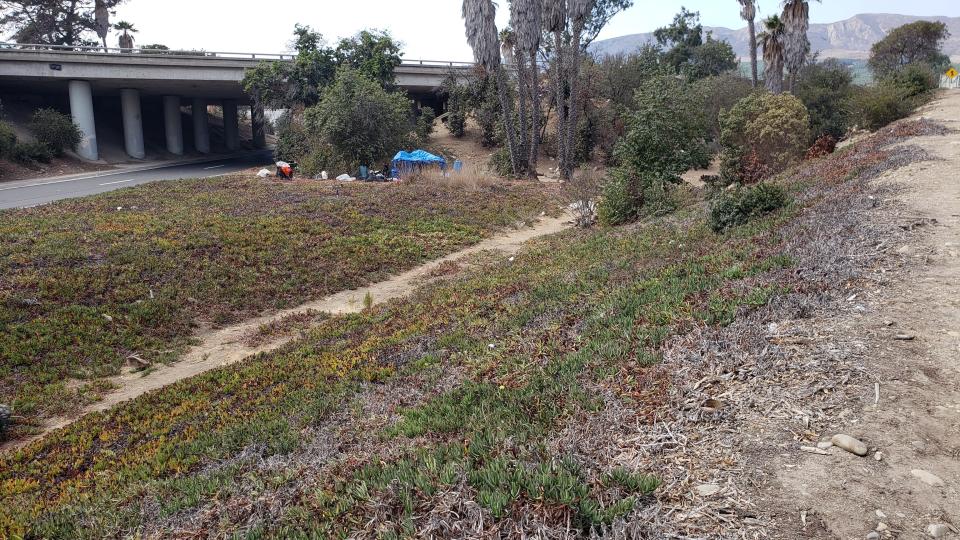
{"type": "Point", "coordinates": [35, 192]}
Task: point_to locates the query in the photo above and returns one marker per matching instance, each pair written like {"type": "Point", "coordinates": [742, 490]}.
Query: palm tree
{"type": "Point", "coordinates": [126, 40]}
{"type": "Point", "coordinates": [748, 11]}
{"type": "Point", "coordinates": [796, 20]}
{"type": "Point", "coordinates": [772, 43]}
{"type": "Point", "coordinates": [526, 18]}
{"type": "Point", "coordinates": [479, 17]}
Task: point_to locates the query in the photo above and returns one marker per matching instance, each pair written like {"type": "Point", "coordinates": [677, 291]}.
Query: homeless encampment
{"type": "Point", "coordinates": [405, 164]}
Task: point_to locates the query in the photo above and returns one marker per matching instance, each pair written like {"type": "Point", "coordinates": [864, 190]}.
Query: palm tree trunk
{"type": "Point", "coordinates": [523, 156]}
{"type": "Point", "coordinates": [753, 51]}
{"type": "Point", "coordinates": [507, 112]}
{"type": "Point", "coordinates": [561, 100]}
{"type": "Point", "coordinates": [534, 116]}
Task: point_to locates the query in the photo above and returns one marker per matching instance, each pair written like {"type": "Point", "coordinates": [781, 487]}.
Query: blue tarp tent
{"type": "Point", "coordinates": [407, 162]}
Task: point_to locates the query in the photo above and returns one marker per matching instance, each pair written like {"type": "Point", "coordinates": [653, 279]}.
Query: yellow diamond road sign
{"type": "Point", "coordinates": [952, 73]}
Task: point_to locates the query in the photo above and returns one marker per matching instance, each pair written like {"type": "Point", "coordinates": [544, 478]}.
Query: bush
{"type": "Point", "coordinates": [826, 90]}
{"type": "Point", "coordinates": [742, 205]}
{"type": "Point", "coordinates": [763, 132]}
{"type": "Point", "coordinates": [875, 107]}
{"type": "Point", "coordinates": [425, 123]}
{"type": "Point", "coordinates": [55, 130]}
{"type": "Point", "coordinates": [719, 94]}
{"type": "Point", "coordinates": [664, 139]}
{"type": "Point", "coordinates": [914, 80]}
{"type": "Point", "coordinates": [8, 140]}
{"type": "Point", "coordinates": [500, 163]}
{"type": "Point", "coordinates": [293, 141]}
{"type": "Point", "coordinates": [29, 153]}
{"type": "Point", "coordinates": [360, 120]}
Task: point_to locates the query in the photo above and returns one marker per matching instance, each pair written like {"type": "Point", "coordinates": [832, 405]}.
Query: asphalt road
{"type": "Point", "coordinates": [35, 192]}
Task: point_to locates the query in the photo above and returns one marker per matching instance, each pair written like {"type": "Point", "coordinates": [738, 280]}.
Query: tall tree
{"type": "Point", "coordinates": [101, 19]}
{"type": "Point", "coordinates": [479, 17]}
{"type": "Point", "coordinates": [126, 39]}
{"type": "Point", "coordinates": [55, 22]}
{"type": "Point", "coordinates": [680, 38]}
{"type": "Point", "coordinates": [772, 43]}
{"type": "Point", "coordinates": [915, 43]}
{"type": "Point", "coordinates": [526, 18]}
{"type": "Point", "coordinates": [748, 11]}
{"type": "Point", "coordinates": [796, 43]}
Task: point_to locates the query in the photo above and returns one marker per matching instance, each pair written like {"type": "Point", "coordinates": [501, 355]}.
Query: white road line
{"type": "Point", "coordinates": [117, 182]}
{"type": "Point", "coordinates": [214, 167]}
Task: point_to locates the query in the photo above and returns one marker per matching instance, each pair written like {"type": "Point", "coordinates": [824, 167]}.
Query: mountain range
{"type": "Point", "coordinates": [849, 39]}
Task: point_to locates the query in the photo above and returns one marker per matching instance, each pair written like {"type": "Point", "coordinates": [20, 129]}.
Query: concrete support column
{"type": "Point", "coordinates": [173, 124]}
{"type": "Point", "coordinates": [132, 123]}
{"type": "Point", "coordinates": [201, 127]}
{"type": "Point", "coordinates": [257, 121]}
{"type": "Point", "coordinates": [81, 109]}
{"type": "Point", "coordinates": [231, 125]}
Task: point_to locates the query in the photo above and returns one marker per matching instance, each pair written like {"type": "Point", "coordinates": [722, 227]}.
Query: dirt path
{"type": "Point", "coordinates": [227, 345]}
{"type": "Point", "coordinates": [908, 486]}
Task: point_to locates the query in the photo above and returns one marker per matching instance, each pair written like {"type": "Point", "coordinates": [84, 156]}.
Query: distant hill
{"type": "Point", "coordinates": [849, 39]}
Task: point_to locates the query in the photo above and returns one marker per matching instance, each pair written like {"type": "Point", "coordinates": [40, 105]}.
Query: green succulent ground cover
{"type": "Point", "coordinates": [462, 392]}
{"type": "Point", "coordinates": [86, 283]}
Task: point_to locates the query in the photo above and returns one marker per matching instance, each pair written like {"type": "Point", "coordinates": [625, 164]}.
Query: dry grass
{"type": "Point", "coordinates": [471, 177]}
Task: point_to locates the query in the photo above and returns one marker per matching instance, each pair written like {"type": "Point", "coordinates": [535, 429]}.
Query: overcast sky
{"type": "Point", "coordinates": [429, 29]}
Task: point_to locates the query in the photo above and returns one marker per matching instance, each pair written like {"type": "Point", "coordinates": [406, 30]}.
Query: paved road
{"type": "Point", "coordinates": [35, 192]}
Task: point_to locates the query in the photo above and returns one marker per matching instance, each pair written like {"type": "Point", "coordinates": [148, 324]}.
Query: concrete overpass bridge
{"type": "Point", "coordinates": [176, 78]}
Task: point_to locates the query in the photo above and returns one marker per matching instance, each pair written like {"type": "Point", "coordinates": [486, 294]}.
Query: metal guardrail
{"type": "Point", "coordinates": [194, 54]}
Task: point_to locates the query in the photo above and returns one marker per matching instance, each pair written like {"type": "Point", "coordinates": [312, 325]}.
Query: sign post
{"type": "Point", "coordinates": [952, 74]}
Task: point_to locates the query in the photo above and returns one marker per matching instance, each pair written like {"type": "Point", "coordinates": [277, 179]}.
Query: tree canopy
{"type": "Point", "coordinates": [914, 43]}
{"type": "Point", "coordinates": [685, 51]}
{"type": "Point", "coordinates": [55, 22]}
{"type": "Point", "coordinates": [284, 85]}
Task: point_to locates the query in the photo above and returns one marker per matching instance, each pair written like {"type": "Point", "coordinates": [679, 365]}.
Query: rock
{"type": "Point", "coordinates": [824, 445]}
{"type": "Point", "coordinates": [880, 514]}
{"type": "Point", "coordinates": [938, 530]}
{"type": "Point", "coordinates": [906, 251]}
{"type": "Point", "coordinates": [850, 444]}
{"type": "Point", "coordinates": [706, 490]}
{"type": "Point", "coordinates": [882, 527]}
{"type": "Point", "coordinates": [927, 477]}
{"type": "Point", "coordinates": [878, 456]}
{"type": "Point", "coordinates": [904, 337]}
{"type": "Point", "coordinates": [873, 536]}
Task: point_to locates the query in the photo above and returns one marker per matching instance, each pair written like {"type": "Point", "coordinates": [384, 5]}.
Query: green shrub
{"type": "Point", "coordinates": [29, 153]}
{"type": "Point", "coordinates": [293, 141]}
{"type": "Point", "coordinates": [627, 197]}
{"type": "Point", "coordinates": [875, 107]}
{"type": "Point", "coordinates": [742, 205]}
{"type": "Point", "coordinates": [8, 140]}
{"type": "Point", "coordinates": [424, 125]}
{"type": "Point", "coordinates": [914, 80]}
{"type": "Point", "coordinates": [763, 132]}
{"type": "Point", "coordinates": [500, 163]}
{"type": "Point", "coordinates": [361, 121]}
{"type": "Point", "coordinates": [826, 90]}
{"type": "Point", "coordinates": [55, 130]}
{"type": "Point", "coordinates": [665, 137]}
{"type": "Point", "coordinates": [457, 122]}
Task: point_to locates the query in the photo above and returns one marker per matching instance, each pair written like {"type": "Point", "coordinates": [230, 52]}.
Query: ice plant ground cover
{"type": "Point", "coordinates": [86, 283]}
{"type": "Point", "coordinates": [460, 410]}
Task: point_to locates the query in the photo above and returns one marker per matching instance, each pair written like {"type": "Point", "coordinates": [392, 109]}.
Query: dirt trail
{"type": "Point", "coordinates": [226, 345]}
{"type": "Point", "coordinates": [911, 337]}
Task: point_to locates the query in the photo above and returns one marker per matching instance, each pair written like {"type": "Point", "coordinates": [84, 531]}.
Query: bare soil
{"type": "Point", "coordinates": [908, 409]}
{"type": "Point", "coordinates": [10, 171]}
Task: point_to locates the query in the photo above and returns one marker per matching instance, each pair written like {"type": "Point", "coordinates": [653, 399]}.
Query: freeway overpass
{"type": "Point", "coordinates": [198, 78]}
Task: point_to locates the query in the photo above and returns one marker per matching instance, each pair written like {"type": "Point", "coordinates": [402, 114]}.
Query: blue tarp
{"type": "Point", "coordinates": [410, 161]}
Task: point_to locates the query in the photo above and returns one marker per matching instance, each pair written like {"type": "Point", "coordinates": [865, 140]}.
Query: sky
{"type": "Point", "coordinates": [429, 29]}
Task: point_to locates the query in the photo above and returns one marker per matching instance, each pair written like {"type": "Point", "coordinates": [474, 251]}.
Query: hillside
{"type": "Point", "coordinates": [850, 39]}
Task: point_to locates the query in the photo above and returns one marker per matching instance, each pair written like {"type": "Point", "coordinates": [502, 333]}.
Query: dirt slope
{"type": "Point", "coordinates": [909, 338]}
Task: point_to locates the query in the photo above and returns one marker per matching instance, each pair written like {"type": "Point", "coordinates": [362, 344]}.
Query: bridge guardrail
{"type": "Point", "coordinates": [194, 54]}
